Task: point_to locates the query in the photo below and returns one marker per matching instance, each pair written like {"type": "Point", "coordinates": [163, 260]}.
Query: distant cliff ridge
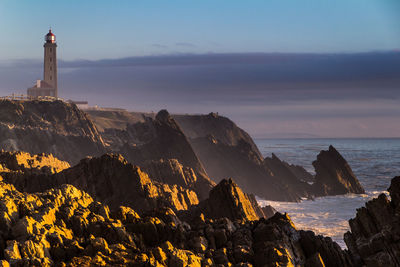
{"type": "Point", "coordinates": [214, 145]}
{"type": "Point", "coordinates": [192, 151]}
{"type": "Point", "coordinates": [54, 127]}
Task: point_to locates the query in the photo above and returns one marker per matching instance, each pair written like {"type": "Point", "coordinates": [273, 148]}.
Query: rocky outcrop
{"type": "Point", "coordinates": [374, 237]}
{"type": "Point", "coordinates": [228, 200]}
{"type": "Point", "coordinates": [159, 141]}
{"type": "Point", "coordinates": [219, 127]}
{"type": "Point", "coordinates": [241, 163]}
{"type": "Point", "coordinates": [228, 151]}
{"type": "Point", "coordinates": [65, 225]}
{"type": "Point", "coordinates": [110, 179]}
{"type": "Point", "coordinates": [289, 171]}
{"type": "Point", "coordinates": [17, 161]}
{"type": "Point", "coordinates": [172, 172]}
{"type": "Point", "coordinates": [333, 175]}
{"type": "Point", "coordinates": [22, 169]}
{"type": "Point", "coordinates": [114, 181]}
{"type": "Point", "coordinates": [213, 146]}
{"type": "Point", "coordinates": [52, 127]}
{"type": "Point", "coordinates": [285, 172]}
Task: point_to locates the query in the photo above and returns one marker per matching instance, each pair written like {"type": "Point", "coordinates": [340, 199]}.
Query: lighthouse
{"type": "Point", "coordinates": [48, 86]}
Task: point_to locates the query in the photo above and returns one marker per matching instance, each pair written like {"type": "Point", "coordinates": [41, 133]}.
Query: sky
{"type": "Point", "coordinates": [277, 68]}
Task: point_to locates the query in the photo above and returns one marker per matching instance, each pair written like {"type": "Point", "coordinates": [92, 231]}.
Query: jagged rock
{"type": "Point", "coordinates": [65, 226]}
{"type": "Point", "coordinates": [25, 162]}
{"type": "Point", "coordinates": [159, 145]}
{"type": "Point", "coordinates": [21, 168]}
{"type": "Point", "coordinates": [227, 151]}
{"type": "Point", "coordinates": [334, 176]}
{"type": "Point", "coordinates": [283, 171]}
{"type": "Point", "coordinates": [110, 178]}
{"type": "Point", "coordinates": [227, 200]}
{"type": "Point", "coordinates": [114, 181]}
{"type": "Point", "coordinates": [374, 237]}
{"type": "Point", "coordinates": [172, 172]}
{"type": "Point", "coordinates": [219, 127]}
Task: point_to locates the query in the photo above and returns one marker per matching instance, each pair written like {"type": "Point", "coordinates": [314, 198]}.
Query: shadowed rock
{"type": "Point", "coordinates": [159, 141]}
{"type": "Point", "coordinates": [373, 239]}
{"type": "Point", "coordinates": [228, 151]}
{"type": "Point", "coordinates": [334, 176]}
{"type": "Point", "coordinates": [52, 127]}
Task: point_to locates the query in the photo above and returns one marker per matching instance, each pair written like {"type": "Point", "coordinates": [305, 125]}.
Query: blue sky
{"type": "Point", "coordinates": [111, 29]}
{"type": "Point", "coordinates": [321, 68]}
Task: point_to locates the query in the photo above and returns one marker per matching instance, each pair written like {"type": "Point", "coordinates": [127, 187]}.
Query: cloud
{"type": "Point", "coordinates": [159, 46]}
{"type": "Point", "coordinates": [259, 91]}
{"type": "Point", "coordinates": [183, 44]}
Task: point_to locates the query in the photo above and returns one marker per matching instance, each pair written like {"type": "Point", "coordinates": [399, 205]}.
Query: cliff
{"type": "Point", "coordinates": [221, 128]}
{"type": "Point", "coordinates": [213, 146]}
{"type": "Point", "coordinates": [52, 127]}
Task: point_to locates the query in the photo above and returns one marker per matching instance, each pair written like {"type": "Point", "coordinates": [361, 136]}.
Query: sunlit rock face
{"type": "Point", "coordinates": [373, 239]}
{"type": "Point", "coordinates": [109, 178]}
{"type": "Point", "coordinates": [14, 161]}
{"type": "Point", "coordinates": [228, 200]}
{"type": "Point", "coordinates": [64, 225]}
{"type": "Point", "coordinates": [172, 172]}
{"type": "Point", "coordinates": [334, 176]}
{"type": "Point", "coordinates": [53, 127]}
{"type": "Point", "coordinates": [114, 181]}
{"type": "Point", "coordinates": [23, 169]}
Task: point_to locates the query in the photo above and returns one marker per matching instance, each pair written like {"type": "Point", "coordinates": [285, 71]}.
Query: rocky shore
{"type": "Point", "coordinates": [165, 190]}
{"type": "Point", "coordinates": [129, 219]}
{"type": "Point", "coordinates": [65, 226]}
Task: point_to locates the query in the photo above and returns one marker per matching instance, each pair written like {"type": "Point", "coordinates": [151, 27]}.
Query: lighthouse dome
{"type": "Point", "coordinates": [50, 37]}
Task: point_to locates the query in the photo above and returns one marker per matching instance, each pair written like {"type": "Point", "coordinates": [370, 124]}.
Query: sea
{"type": "Point", "coordinates": [374, 161]}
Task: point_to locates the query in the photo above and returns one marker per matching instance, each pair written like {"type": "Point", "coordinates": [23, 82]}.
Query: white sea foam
{"type": "Point", "coordinates": [326, 216]}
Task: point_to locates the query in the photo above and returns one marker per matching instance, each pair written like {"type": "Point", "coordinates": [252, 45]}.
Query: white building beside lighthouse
{"type": "Point", "coordinates": [47, 86]}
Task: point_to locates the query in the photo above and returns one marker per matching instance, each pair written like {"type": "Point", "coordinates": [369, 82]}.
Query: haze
{"type": "Point", "coordinates": [305, 69]}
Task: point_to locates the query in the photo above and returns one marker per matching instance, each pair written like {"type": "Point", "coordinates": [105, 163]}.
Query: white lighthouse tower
{"type": "Point", "coordinates": [48, 86]}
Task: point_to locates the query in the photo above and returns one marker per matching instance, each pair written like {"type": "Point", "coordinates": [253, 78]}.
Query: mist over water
{"type": "Point", "coordinates": [374, 161]}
